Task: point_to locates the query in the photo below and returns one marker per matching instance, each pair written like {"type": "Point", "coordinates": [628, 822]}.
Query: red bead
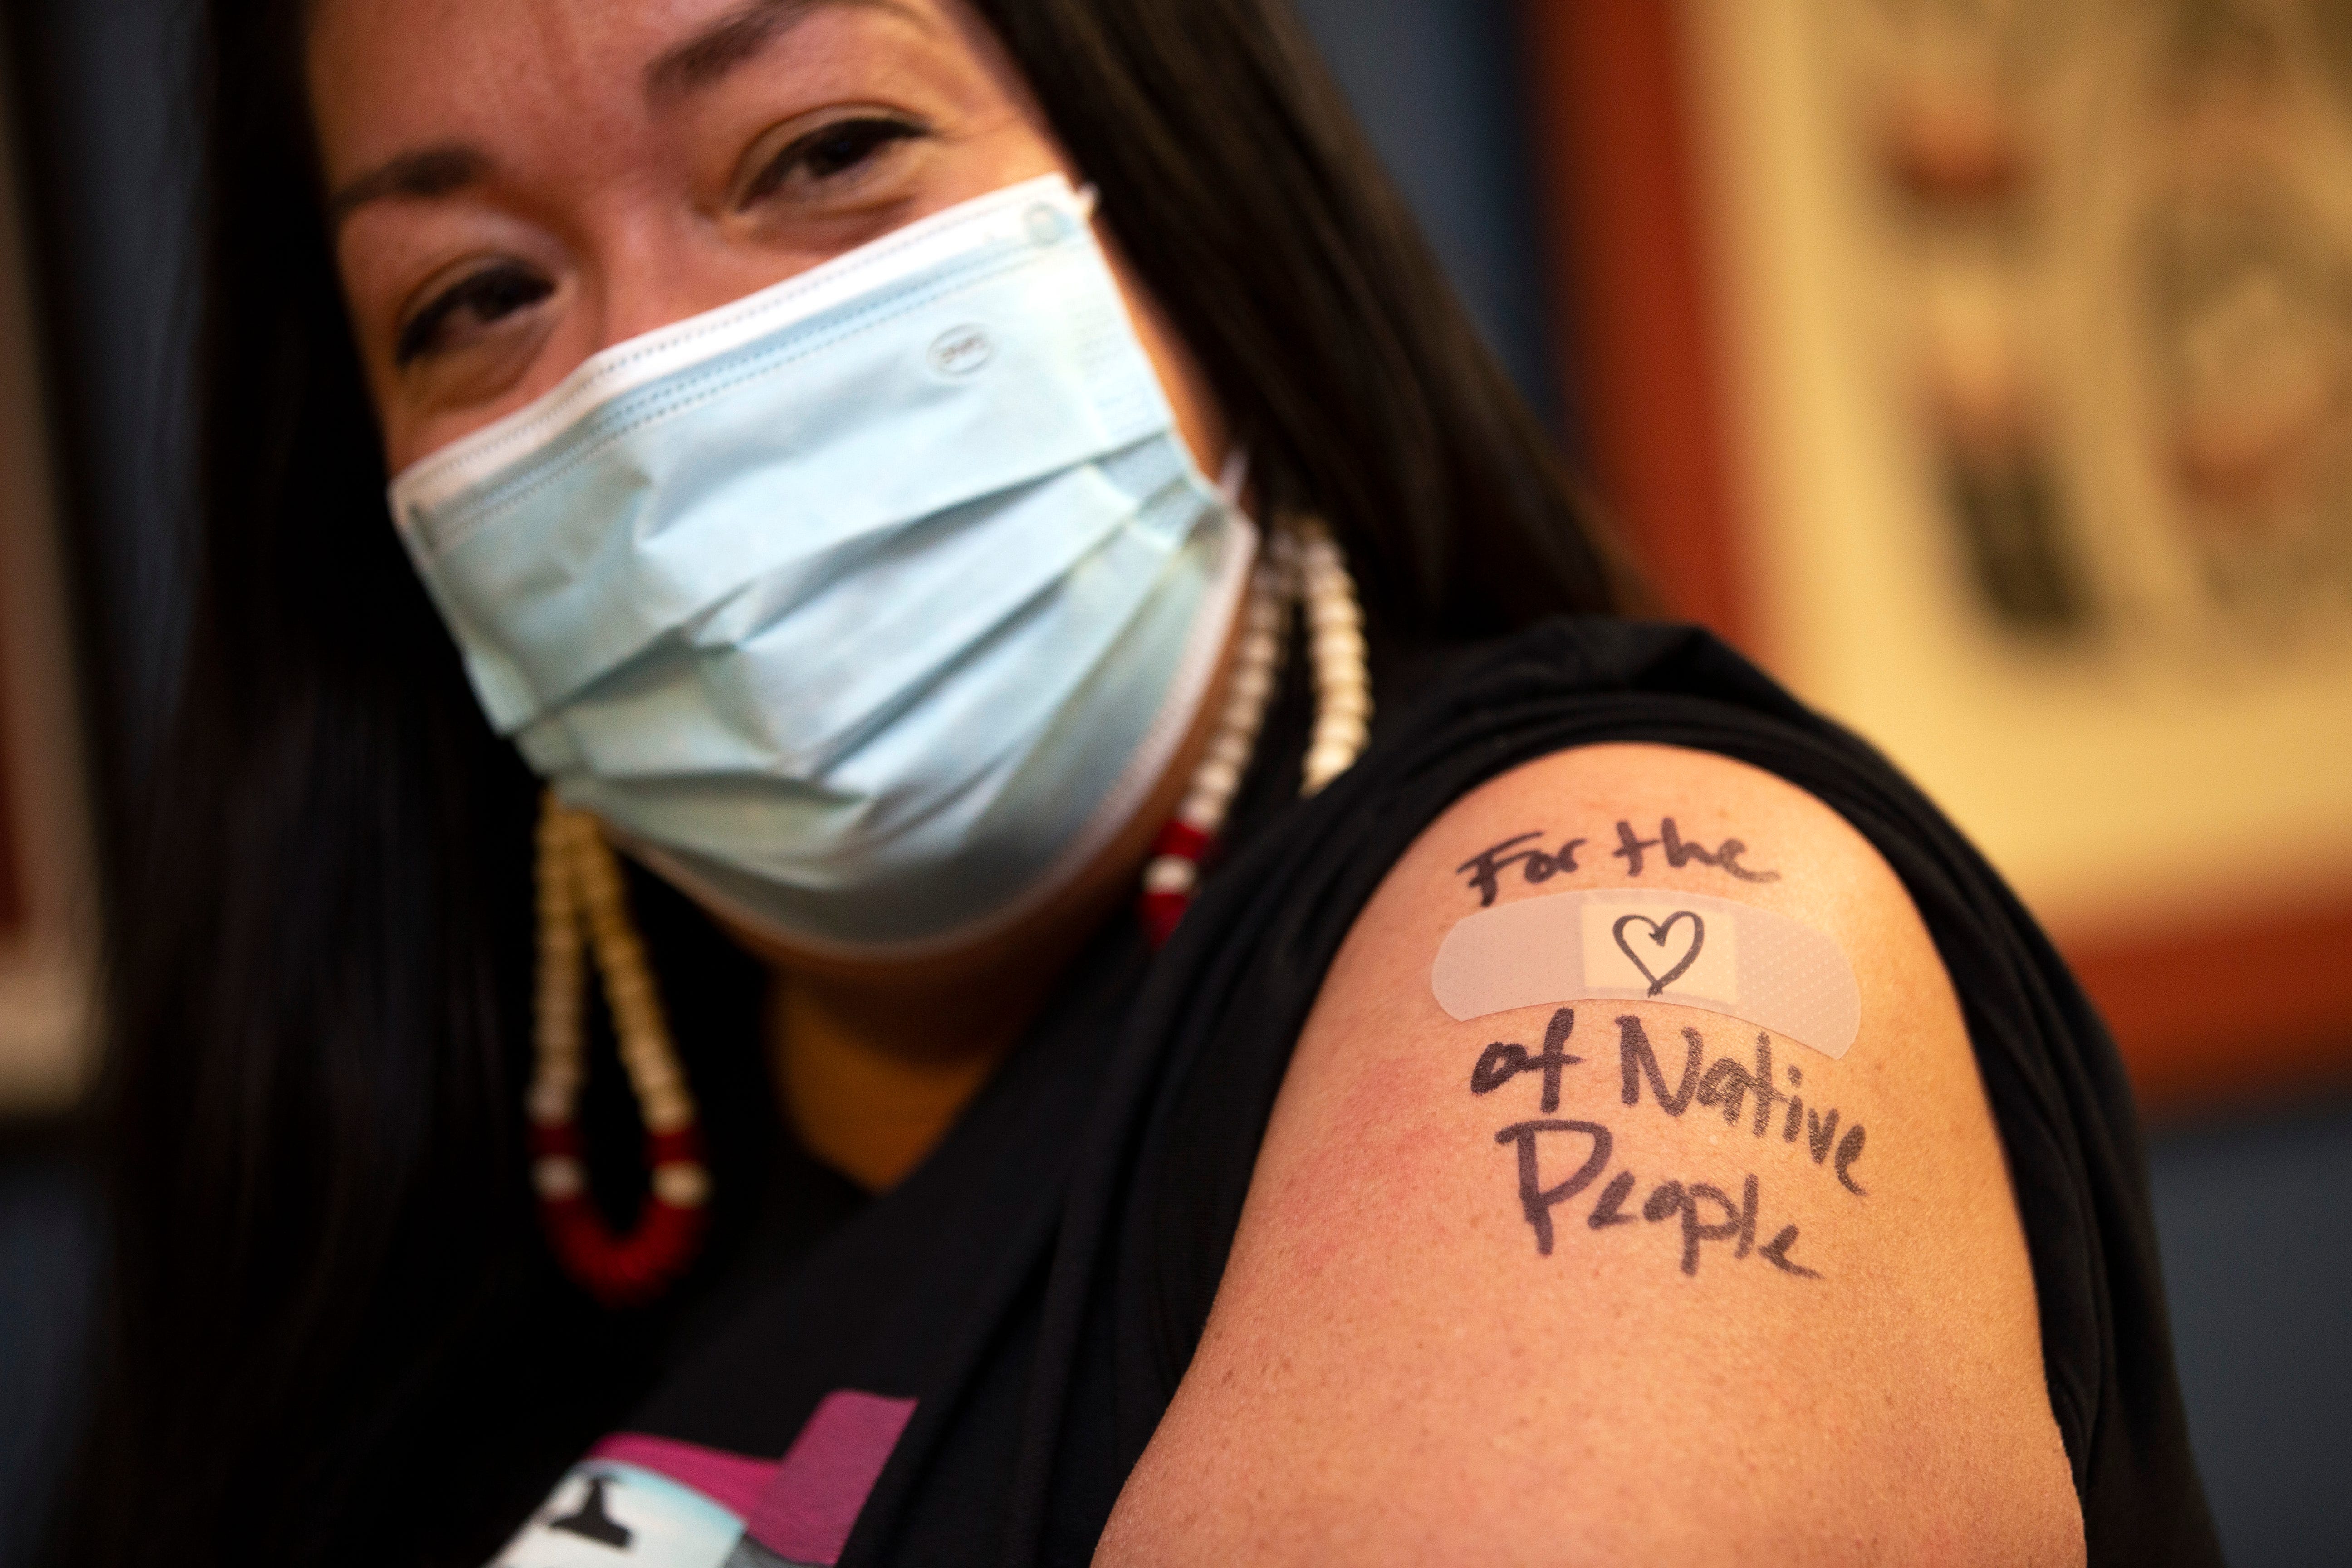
{"type": "Point", "coordinates": [1183, 840]}
{"type": "Point", "coordinates": [631, 1270]}
{"type": "Point", "coordinates": [557, 1140]}
{"type": "Point", "coordinates": [1160, 913]}
{"type": "Point", "coordinates": [670, 1148]}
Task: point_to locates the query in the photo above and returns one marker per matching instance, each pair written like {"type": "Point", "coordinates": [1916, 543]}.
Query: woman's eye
{"type": "Point", "coordinates": [830, 151]}
{"type": "Point", "coordinates": [479, 301]}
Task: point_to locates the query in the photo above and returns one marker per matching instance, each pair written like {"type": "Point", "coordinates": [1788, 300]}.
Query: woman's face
{"type": "Point", "coordinates": [515, 185]}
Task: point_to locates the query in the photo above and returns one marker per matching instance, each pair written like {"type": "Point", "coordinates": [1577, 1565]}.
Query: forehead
{"type": "Point", "coordinates": [386, 75]}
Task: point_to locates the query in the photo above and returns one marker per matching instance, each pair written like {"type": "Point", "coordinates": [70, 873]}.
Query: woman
{"type": "Point", "coordinates": [901, 470]}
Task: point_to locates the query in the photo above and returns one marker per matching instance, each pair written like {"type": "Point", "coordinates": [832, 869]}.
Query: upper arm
{"type": "Point", "coordinates": [1395, 1370]}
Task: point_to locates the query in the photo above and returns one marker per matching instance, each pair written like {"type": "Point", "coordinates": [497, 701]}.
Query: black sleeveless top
{"type": "Point", "coordinates": [965, 1370]}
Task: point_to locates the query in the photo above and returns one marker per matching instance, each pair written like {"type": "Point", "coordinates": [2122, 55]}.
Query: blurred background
{"type": "Point", "coordinates": [1983, 368]}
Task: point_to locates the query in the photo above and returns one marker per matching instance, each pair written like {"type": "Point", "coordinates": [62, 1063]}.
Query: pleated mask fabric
{"type": "Point", "coordinates": [870, 606]}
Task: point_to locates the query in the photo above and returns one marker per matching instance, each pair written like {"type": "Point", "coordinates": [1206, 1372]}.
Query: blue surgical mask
{"type": "Point", "coordinates": [868, 607]}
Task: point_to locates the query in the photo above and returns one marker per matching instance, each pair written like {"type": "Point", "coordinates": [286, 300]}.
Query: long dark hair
{"type": "Point", "coordinates": [334, 1333]}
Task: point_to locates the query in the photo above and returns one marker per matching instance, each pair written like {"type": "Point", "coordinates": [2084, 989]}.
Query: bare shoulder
{"type": "Point", "coordinates": [1640, 1274]}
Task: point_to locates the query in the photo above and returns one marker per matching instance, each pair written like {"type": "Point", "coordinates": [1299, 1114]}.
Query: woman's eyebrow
{"type": "Point", "coordinates": [426, 172]}
{"type": "Point", "coordinates": [699, 62]}
{"type": "Point", "coordinates": [682, 69]}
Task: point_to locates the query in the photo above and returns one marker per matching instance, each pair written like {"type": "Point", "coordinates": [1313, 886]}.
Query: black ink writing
{"type": "Point", "coordinates": [1725, 857]}
{"type": "Point", "coordinates": [1849, 1150]}
{"type": "Point", "coordinates": [1535, 1200]}
{"type": "Point", "coordinates": [1629, 847]}
{"type": "Point", "coordinates": [1728, 1084]}
{"type": "Point", "coordinates": [1657, 934]}
{"type": "Point", "coordinates": [1821, 1134]}
{"type": "Point", "coordinates": [1702, 1212]}
{"type": "Point", "coordinates": [1775, 1253]}
{"type": "Point", "coordinates": [1707, 1213]}
{"type": "Point", "coordinates": [1739, 1221]}
{"type": "Point", "coordinates": [1732, 1085]}
{"type": "Point", "coordinates": [1501, 1062]}
{"type": "Point", "coordinates": [1636, 1061]}
{"type": "Point", "coordinates": [1722, 1220]}
{"type": "Point", "coordinates": [1633, 848]}
{"type": "Point", "coordinates": [1538, 865]}
{"type": "Point", "coordinates": [1609, 1210]}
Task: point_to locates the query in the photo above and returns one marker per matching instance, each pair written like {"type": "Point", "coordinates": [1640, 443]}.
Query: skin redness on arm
{"type": "Point", "coordinates": [1620, 1280]}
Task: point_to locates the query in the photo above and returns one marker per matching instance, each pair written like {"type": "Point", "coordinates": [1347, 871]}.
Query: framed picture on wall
{"type": "Point", "coordinates": [1986, 370]}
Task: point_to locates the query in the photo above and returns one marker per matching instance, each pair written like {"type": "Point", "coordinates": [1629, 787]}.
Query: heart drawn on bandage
{"type": "Point", "coordinates": [1657, 934]}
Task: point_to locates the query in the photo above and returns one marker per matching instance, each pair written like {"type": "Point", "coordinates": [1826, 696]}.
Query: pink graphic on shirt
{"type": "Point", "coordinates": [731, 1480]}
{"type": "Point", "coordinates": [801, 1506]}
{"type": "Point", "coordinates": [805, 1509]}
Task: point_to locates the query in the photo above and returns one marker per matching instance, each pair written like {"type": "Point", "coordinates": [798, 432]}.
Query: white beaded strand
{"type": "Point", "coordinates": [1257, 668]}
{"type": "Point", "coordinates": [557, 1032]}
{"type": "Point", "coordinates": [582, 905]}
{"type": "Point", "coordinates": [1302, 565]}
{"type": "Point", "coordinates": [1335, 640]}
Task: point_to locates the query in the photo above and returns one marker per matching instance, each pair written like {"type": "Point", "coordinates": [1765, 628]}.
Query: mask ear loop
{"type": "Point", "coordinates": [583, 911]}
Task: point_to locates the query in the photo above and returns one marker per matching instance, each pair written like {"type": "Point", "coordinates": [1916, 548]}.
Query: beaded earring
{"type": "Point", "coordinates": [1303, 566]}
{"type": "Point", "coordinates": [583, 910]}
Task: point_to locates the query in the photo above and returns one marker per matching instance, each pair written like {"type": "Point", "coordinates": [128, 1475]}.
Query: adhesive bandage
{"type": "Point", "coordinates": [1637, 945]}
